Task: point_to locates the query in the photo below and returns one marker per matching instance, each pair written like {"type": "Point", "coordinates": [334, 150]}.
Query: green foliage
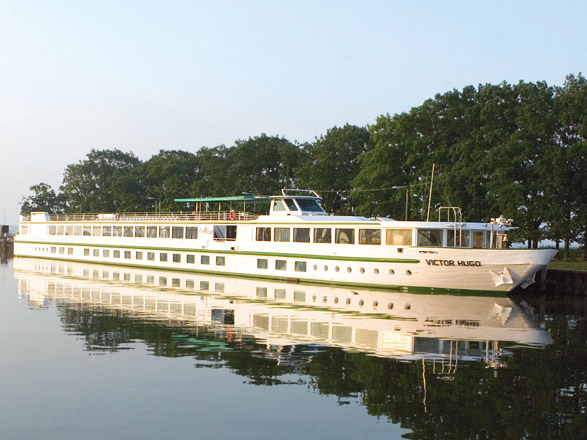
{"type": "Point", "coordinates": [107, 181]}
{"type": "Point", "coordinates": [332, 164]}
{"type": "Point", "coordinates": [43, 199]}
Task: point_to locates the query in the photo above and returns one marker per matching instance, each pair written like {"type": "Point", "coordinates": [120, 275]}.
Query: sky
{"type": "Point", "coordinates": [147, 75]}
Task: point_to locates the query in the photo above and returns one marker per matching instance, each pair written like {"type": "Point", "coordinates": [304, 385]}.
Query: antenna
{"type": "Point", "coordinates": [430, 195]}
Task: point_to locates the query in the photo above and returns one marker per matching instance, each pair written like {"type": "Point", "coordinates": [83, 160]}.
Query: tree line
{"type": "Point", "coordinates": [514, 149]}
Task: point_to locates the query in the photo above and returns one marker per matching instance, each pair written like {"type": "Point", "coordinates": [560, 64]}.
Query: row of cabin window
{"type": "Point", "coordinates": [341, 235]}
{"type": "Point", "coordinates": [163, 256]}
{"type": "Point", "coordinates": [126, 231]}
{"type": "Point", "coordinates": [396, 237]}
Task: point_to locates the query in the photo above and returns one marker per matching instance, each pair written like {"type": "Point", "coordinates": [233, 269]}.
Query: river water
{"type": "Point", "coordinates": [96, 352]}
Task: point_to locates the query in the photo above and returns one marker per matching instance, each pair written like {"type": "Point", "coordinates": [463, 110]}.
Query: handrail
{"type": "Point", "coordinates": [228, 216]}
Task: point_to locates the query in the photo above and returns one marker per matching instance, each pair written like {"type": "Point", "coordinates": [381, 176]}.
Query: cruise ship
{"type": "Point", "coordinates": [295, 241]}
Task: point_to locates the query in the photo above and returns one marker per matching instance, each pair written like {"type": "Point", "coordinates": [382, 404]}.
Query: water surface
{"type": "Point", "coordinates": [91, 351]}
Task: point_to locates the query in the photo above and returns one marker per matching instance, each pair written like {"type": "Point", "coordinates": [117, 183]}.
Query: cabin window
{"type": "Point", "coordinates": [87, 231]}
{"type": "Point", "coordinates": [138, 255]}
{"type": "Point", "coordinates": [162, 256]}
{"type": "Point", "coordinates": [96, 252]}
{"type": "Point", "coordinates": [322, 235]}
{"type": "Point", "coordinates": [175, 282]}
{"type": "Point", "coordinates": [189, 283]}
{"type": "Point", "coordinates": [204, 285]}
{"type": "Point", "coordinates": [69, 230]}
{"type": "Point", "coordinates": [279, 293]}
{"type": "Point", "coordinates": [344, 236]}
{"type": "Point", "coordinates": [128, 231]}
{"type": "Point", "coordinates": [52, 230]}
{"type": "Point", "coordinates": [107, 231]}
{"type": "Point", "coordinates": [191, 232]}
{"type": "Point", "coordinates": [263, 234]}
{"type": "Point", "coordinates": [261, 292]}
{"type": "Point", "coordinates": [86, 252]}
{"type": "Point", "coordinates": [177, 232]}
{"type": "Point", "coordinates": [62, 250]}
{"type": "Point", "coordinates": [163, 281]}
{"type": "Point", "coordinates": [191, 259]}
{"type": "Point", "coordinates": [151, 256]}
{"type": "Point", "coordinates": [152, 231]}
{"type": "Point", "coordinates": [163, 231]}
{"type": "Point", "coordinates": [262, 263]}
{"type": "Point", "coordinates": [205, 259]}
{"type": "Point", "coordinates": [117, 231]}
{"type": "Point", "coordinates": [225, 232]}
{"type": "Point", "coordinates": [281, 234]}
{"type": "Point", "coordinates": [460, 239]}
{"type": "Point", "coordinates": [291, 205]}
{"type": "Point", "coordinates": [280, 264]}
{"type": "Point", "coordinates": [369, 236]}
{"type": "Point", "coordinates": [139, 231]}
{"type": "Point", "coordinates": [301, 235]}
{"type": "Point", "coordinates": [429, 237]}
{"type": "Point", "coordinates": [398, 237]}
{"type": "Point", "coordinates": [278, 206]}
{"type": "Point", "coordinates": [127, 255]}
{"type": "Point", "coordinates": [69, 251]}
{"type": "Point", "coordinates": [106, 253]}
{"type": "Point", "coordinates": [97, 231]}
{"type": "Point", "coordinates": [116, 254]}
{"type": "Point", "coordinates": [300, 266]}
{"type": "Point", "coordinates": [220, 261]}
{"type": "Point", "coordinates": [60, 230]}
{"type": "Point", "coordinates": [219, 287]}
{"type": "Point", "coordinates": [478, 239]}
{"type": "Point", "coordinates": [303, 325]}
{"type": "Point", "coordinates": [177, 258]}
{"type": "Point", "coordinates": [77, 230]}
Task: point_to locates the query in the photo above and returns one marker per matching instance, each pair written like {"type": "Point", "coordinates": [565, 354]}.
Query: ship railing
{"type": "Point", "coordinates": [228, 216]}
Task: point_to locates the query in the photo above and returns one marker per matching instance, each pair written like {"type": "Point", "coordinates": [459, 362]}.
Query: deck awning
{"type": "Point", "coordinates": [243, 198]}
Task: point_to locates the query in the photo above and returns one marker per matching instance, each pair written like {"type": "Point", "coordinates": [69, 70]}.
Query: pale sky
{"type": "Point", "coordinates": [148, 75]}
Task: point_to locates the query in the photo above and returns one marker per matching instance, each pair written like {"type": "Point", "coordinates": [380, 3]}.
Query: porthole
{"type": "Point", "coordinates": [337, 269]}
{"type": "Point", "coordinates": [349, 270]}
{"type": "Point", "coordinates": [325, 268]}
{"type": "Point", "coordinates": [390, 306]}
{"type": "Point", "coordinates": [391, 272]}
{"type": "Point", "coordinates": [361, 303]}
{"type": "Point", "coordinates": [408, 272]}
{"type": "Point", "coordinates": [324, 299]}
{"type": "Point", "coordinates": [314, 298]}
{"type": "Point", "coordinates": [315, 267]}
{"type": "Point", "coordinates": [376, 271]}
{"type": "Point", "coordinates": [362, 270]}
{"type": "Point", "coordinates": [407, 307]}
{"type": "Point", "coordinates": [336, 300]}
{"type": "Point", "coordinates": [375, 303]}
{"type": "Point", "coordinates": [348, 300]}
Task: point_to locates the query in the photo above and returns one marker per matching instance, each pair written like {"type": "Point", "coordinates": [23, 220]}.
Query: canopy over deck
{"type": "Point", "coordinates": [243, 198]}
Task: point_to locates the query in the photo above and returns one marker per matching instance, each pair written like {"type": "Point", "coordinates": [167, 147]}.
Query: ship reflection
{"type": "Point", "coordinates": [290, 321]}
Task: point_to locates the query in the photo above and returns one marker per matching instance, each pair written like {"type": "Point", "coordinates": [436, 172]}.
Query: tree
{"type": "Point", "coordinates": [262, 165]}
{"type": "Point", "coordinates": [43, 199]}
{"type": "Point", "coordinates": [107, 181]}
{"type": "Point", "coordinates": [333, 162]}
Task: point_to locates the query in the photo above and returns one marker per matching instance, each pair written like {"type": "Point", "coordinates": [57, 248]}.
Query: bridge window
{"type": "Point", "coordinates": [291, 205]}
{"type": "Point", "coordinates": [278, 206]}
{"type": "Point", "coordinates": [399, 237]}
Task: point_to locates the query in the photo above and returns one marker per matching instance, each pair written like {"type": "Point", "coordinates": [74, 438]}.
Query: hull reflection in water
{"type": "Point", "coordinates": [280, 315]}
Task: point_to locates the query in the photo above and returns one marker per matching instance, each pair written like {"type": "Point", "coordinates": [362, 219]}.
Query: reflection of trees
{"type": "Point", "coordinates": [540, 394]}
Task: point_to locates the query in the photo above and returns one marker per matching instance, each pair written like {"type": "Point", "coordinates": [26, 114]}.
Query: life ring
{"type": "Point", "coordinates": [116, 217]}
{"type": "Point", "coordinates": [232, 215]}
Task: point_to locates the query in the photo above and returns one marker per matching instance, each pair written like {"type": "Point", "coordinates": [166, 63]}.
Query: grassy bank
{"type": "Point", "coordinates": [568, 265]}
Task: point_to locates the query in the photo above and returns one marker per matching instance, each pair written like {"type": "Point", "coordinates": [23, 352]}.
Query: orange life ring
{"type": "Point", "coordinates": [116, 217]}
{"type": "Point", "coordinates": [232, 215]}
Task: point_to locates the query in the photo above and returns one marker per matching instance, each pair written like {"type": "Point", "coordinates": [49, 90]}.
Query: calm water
{"type": "Point", "coordinates": [105, 352]}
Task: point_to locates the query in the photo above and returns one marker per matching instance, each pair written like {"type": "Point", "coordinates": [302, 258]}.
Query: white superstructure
{"type": "Point", "coordinates": [296, 241]}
